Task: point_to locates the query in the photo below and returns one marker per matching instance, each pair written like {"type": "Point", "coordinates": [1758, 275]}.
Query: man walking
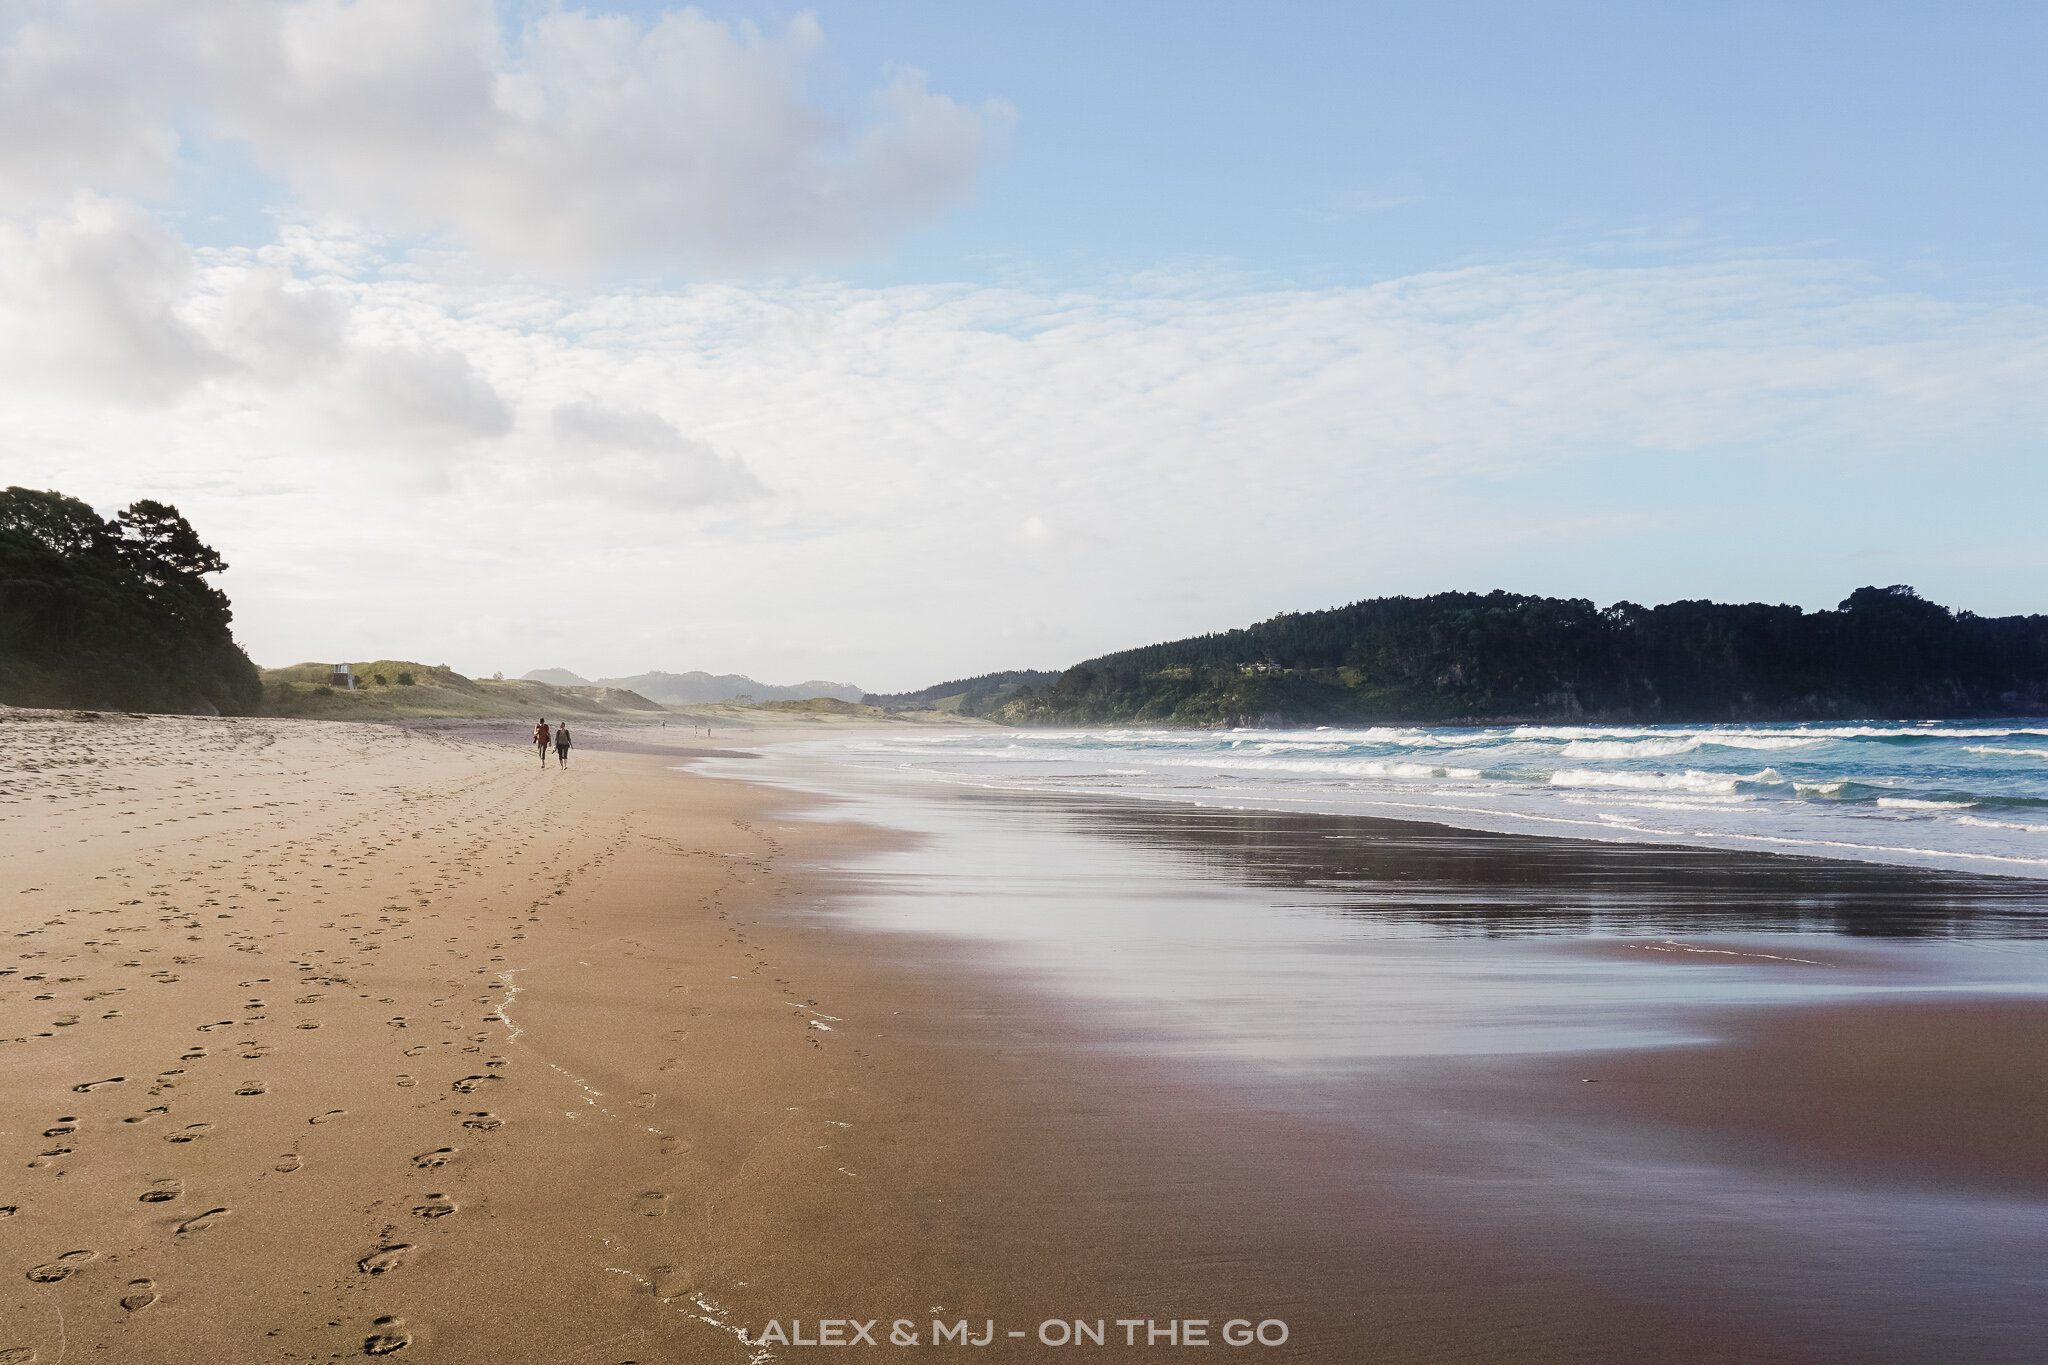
{"type": "Point", "coordinates": [540, 740]}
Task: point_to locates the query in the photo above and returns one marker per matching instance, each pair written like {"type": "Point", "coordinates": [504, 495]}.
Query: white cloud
{"type": "Point", "coordinates": [90, 301]}
{"type": "Point", "coordinates": [84, 94]}
{"type": "Point", "coordinates": [959, 473]}
{"type": "Point", "coordinates": [632, 454]}
{"type": "Point", "coordinates": [431, 396]}
{"type": "Point", "coordinates": [582, 144]}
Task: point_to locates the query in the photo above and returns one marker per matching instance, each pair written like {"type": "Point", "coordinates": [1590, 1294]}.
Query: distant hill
{"type": "Point", "coordinates": [558, 677]}
{"type": "Point", "coordinates": [398, 689]}
{"type": "Point", "coordinates": [1504, 657]}
{"type": "Point", "coordinates": [696, 689]}
{"type": "Point", "coordinates": [114, 614]}
{"type": "Point", "coordinates": [967, 696]}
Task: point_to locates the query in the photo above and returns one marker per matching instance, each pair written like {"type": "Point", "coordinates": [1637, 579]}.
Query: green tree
{"type": "Point", "coordinates": [114, 613]}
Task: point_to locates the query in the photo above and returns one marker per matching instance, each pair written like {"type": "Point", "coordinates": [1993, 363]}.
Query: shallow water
{"type": "Point", "coordinates": [1402, 988]}
{"type": "Point", "coordinates": [1309, 942]}
{"type": "Point", "coordinates": [1964, 795]}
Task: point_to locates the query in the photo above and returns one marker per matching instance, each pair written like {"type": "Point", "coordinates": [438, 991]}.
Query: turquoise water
{"type": "Point", "coordinates": [1970, 796]}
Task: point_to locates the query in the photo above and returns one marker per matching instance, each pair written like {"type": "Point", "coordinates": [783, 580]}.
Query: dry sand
{"type": "Point", "coordinates": [325, 1040]}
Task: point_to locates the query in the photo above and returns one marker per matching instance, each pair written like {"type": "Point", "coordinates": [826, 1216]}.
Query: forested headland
{"type": "Point", "coordinates": [976, 696]}
{"type": "Point", "coordinates": [115, 614]}
{"type": "Point", "coordinates": [1505, 657]}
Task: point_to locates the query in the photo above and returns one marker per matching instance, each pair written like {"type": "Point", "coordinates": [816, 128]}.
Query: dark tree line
{"type": "Point", "coordinates": [975, 696]}
{"type": "Point", "coordinates": [114, 614]}
{"type": "Point", "coordinates": [1505, 656]}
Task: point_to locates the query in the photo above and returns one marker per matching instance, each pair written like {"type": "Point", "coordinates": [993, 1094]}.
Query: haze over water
{"type": "Point", "coordinates": [1969, 796]}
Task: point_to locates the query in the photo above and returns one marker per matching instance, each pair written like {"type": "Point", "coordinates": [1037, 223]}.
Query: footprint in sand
{"type": "Point", "coordinates": [437, 1206]}
{"type": "Point", "coordinates": [390, 1336]}
{"type": "Point", "coordinates": [385, 1259]}
{"type": "Point", "coordinates": [194, 1055]}
{"type": "Point", "coordinates": [191, 1132]}
{"type": "Point", "coordinates": [469, 1085]}
{"type": "Point", "coordinates": [89, 1086]}
{"type": "Point", "coordinates": [310, 1024]}
{"type": "Point", "coordinates": [161, 1190]}
{"type": "Point", "coordinates": [200, 1222]}
{"type": "Point", "coordinates": [17, 1355]}
{"type": "Point", "coordinates": [141, 1294]}
{"type": "Point", "coordinates": [251, 1088]}
{"type": "Point", "coordinates": [146, 1115]}
{"type": "Point", "coordinates": [327, 1117]}
{"type": "Point", "coordinates": [440, 1156]}
{"type": "Point", "coordinates": [287, 1163]}
{"type": "Point", "coordinates": [671, 1283]}
{"type": "Point", "coordinates": [483, 1122]}
{"type": "Point", "coordinates": [63, 1268]}
{"type": "Point", "coordinates": [415, 1051]}
{"type": "Point", "coordinates": [652, 1204]}
{"type": "Point", "coordinates": [64, 1125]}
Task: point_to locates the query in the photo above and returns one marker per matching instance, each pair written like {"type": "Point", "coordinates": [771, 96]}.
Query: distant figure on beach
{"type": "Point", "coordinates": [540, 740]}
{"type": "Point", "coordinates": [561, 747]}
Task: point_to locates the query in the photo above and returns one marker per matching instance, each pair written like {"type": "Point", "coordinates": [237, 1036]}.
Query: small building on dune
{"type": "Point", "coordinates": [343, 678]}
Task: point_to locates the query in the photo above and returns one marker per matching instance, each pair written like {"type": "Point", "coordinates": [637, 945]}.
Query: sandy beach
{"type": "Point", "coordinates": [328, 1040]}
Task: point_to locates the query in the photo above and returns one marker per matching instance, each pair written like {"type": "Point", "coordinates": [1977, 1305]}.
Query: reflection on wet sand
{"type": "Point", "coordinates": [1790, 1096]}
{"type": "Point", "coordinates": [1469, 881]}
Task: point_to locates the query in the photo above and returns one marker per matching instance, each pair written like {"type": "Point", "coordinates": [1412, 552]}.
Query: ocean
{"type": "Point", "coordinates": [1966, 796]}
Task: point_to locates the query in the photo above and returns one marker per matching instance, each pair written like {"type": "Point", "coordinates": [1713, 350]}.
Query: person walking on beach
{"type": "Point", "coordinates": [540, 740]}
{"type": "Point", "coordinates": [561, 747]}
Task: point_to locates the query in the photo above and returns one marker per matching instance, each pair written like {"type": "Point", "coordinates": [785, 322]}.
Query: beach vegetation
{"type": "Point", "coordinates": [405, 689]}
{"type": "Point", "coordinates": [115, 613]}
{"type": "Point", "coordinates": [977, 696]}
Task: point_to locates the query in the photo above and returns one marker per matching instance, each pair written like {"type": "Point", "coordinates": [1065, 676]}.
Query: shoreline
{"type": "Point", "coordinates": [1897, 794]}
{"type": "Point", "coordinates": [669, 1037]}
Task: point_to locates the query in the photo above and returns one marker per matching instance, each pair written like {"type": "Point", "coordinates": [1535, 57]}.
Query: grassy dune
{"type": "Point", "coordinates": [821, 711]}
{"type": "Point", "coordinates": [437, 690]}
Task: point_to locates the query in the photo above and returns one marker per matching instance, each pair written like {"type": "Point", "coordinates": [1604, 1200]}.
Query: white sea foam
{"type": "Point", "coordinates": [1981, 823]}
{"type": "Point", "coordinates": [1629, 748]}
{"type": "Point", "coordinates": [1364, 767]}
{"type": "Point", "coordinates": [1690, 781]}
{"type": "Point", "coordinates": [1735, 741]}
{"type": "Point", "coordinates": [1691, 800]}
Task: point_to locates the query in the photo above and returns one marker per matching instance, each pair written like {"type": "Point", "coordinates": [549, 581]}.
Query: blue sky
{"type": "Point", "coordinates": [891, 342]}
{"type": "Point", "coordinates": [1349, 143]}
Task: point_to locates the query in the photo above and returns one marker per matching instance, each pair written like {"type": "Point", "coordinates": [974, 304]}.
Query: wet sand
{"type": "Point", "coordinates": [322, 1041]}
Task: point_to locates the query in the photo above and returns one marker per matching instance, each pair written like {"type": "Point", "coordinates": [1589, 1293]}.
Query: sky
{"type": "Point", "coordinates": [896, 342]}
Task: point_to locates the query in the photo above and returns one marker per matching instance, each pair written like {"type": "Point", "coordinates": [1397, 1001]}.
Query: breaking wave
{"type": "Point", "coordinates": [1940, 783]}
